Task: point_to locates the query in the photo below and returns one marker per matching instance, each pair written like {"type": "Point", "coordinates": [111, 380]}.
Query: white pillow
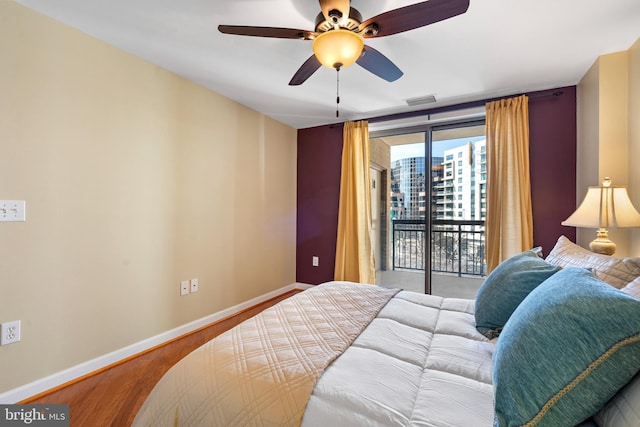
{"type": "Point", "coordinates": [624, 409]}
{"type": "Point", "coordinates": [617, 272]}
{"type": "Point", "coordinates": [633, 289]}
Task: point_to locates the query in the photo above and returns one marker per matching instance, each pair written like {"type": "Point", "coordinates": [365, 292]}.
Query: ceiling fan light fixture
{"type": "Point", "coordinates": [338, 48]}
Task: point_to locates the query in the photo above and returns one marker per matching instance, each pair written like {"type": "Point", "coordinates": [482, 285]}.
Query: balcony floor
{"type": "Point", "coordinates": [442, 284]}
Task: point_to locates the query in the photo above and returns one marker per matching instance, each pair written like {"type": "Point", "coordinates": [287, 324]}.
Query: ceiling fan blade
{"type": "Point", "coordinates": [412, 16]}
{"type": "Point", "coordinates": [309, 67]}
{"type": "Point", "coordinates": [375, 62]}
{"type": "Point", "coordinates": [280, 33]}
{"type": "Point", "coordinates": [342, 6]}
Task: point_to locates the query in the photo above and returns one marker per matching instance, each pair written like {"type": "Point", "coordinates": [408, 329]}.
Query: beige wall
{"type": "Point", "coordinates": [606, 140]}
{"type": "Point", "coordinates": [634, 138]}
{"type": "Point", "coordinates": [588, 128]}
{"type": "Point", "coordinates": [134, 179]}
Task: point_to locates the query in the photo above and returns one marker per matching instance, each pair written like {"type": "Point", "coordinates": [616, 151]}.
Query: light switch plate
{"type": "Point", "coordinates": [12, 211]}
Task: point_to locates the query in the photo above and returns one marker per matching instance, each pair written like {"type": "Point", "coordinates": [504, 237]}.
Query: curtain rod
{"type": "Point", "coordinates": [448, 108]}
{"type": "Point", "coordinates": [462, 106]}
{"type": "Point", "coordinates": [544, 95]}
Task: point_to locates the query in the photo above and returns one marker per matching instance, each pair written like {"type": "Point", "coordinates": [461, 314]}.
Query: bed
{"type": "Point", "coordinates": [546, 342]}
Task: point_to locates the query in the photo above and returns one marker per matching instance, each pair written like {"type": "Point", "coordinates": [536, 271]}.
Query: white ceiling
{"type": "Point", "coordinates": [498, 47]}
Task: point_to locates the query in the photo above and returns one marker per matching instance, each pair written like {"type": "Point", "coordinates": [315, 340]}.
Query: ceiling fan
{"type": "Point", "coordinates": [339, 32]}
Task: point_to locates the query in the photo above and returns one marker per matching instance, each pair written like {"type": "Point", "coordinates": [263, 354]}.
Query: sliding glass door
{"type": "Point", "coordinates": [436, 202]}
{"type": "Point", "coordinates": [458, 207]}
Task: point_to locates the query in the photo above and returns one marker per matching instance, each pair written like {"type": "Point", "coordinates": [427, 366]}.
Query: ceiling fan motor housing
{"type": "Point", "coordinates": [351, 23]}
{"type": "Point", "coordinates": [335, 16]}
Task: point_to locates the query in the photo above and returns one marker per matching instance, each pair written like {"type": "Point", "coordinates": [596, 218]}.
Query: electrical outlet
{"type": "Point", "coordinates": [184, 287]}
{"type": "Point", "coordinates": [194, 285]}
{"type": "Point", "coordinates": [315, 261]}
{"type": "Point", "coordinates": [12, 210]}
{"type": "Point", "coordinates": [10, 332]}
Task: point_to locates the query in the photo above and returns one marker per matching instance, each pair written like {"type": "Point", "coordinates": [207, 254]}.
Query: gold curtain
{"type": "Point", "coordinates": [509, 222]}
{"type": "Point", "coordinates": [354, 249]}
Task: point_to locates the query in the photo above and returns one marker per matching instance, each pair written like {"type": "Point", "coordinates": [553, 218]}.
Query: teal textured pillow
{"type": "Point", "coordinates": [566, 350]}
{"type": "Point", "coordinates": [505, 288]}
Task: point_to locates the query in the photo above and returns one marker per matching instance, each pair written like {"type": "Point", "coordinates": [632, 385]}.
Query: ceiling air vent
{"type": "Point", "coordinates": [421, 100]}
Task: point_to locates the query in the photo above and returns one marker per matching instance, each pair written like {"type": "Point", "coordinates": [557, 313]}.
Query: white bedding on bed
{"type": "Point", "coordinates": [414, 360]}
{"type": "Point", "coordinates": [420, 362]}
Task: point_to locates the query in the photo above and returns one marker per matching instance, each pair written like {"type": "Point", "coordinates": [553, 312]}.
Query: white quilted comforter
{"type": "Point", "coordinates": [420, 362]}
{"type": "Point", "coordinates": [339, 354]}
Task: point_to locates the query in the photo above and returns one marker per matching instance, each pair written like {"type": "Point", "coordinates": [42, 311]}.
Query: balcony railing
{"type": "Point", "coordinates": [456, 246]}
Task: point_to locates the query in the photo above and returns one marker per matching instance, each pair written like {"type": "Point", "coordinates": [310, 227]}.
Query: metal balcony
{"type": "Point", "coordinates": [457, 247]}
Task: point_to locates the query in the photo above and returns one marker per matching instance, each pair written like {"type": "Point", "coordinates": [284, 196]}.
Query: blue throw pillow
{"type": "Point", "coordinates": [565, 351]}
{"type": "Point", "coordinates": [505, 288]}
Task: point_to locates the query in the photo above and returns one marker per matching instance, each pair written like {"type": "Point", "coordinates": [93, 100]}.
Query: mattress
{"type": "Point", "coordinates": [340, 354]}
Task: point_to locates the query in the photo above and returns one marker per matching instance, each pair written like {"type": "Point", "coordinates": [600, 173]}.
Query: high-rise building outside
{"type": "Point", "coordinates": [461, 192]}
{"type": "Point", "coordinates": [458, 185]}
{"type": "Point", "coordinates": [407, 182]}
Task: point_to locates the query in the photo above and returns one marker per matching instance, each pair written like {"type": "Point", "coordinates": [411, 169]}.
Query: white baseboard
{"type": "Point", "coordinates": [47, 383]}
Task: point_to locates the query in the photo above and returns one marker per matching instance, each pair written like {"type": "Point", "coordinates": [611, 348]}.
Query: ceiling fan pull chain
{"type": "Point", "coordinates": [337, 91]}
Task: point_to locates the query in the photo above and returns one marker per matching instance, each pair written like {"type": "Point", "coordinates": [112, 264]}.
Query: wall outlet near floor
{"type": "Point", "coordinates": [194, 285]}
{"type": "Point", "coordinates": [184, 287]}
{"type": "Point", "coordinates": [315, 261]}
{"type": "Point", "coordinates": [10, 332]}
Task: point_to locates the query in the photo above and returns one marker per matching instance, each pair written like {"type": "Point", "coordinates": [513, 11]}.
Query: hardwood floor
{"type": "Point", "coordinates": [114, 396]}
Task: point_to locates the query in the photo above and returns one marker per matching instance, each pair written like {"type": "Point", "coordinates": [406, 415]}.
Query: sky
{"type": "Point", "coordinates": [417, 150]}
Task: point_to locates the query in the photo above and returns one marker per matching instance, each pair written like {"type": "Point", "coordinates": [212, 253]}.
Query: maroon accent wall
{"type": "Point", "coordinates": [552, 162]}
{"type": "Point", "coordinates": [318, 192]}
{"type": "Point", "coordinates": [552, 130]}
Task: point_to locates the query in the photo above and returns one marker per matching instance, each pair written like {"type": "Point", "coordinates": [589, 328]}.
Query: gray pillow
{"type": "Point", "coordinates": [617, 272]}
{"type": "Point", "coordinates": [633, 288]}
{"type": "Point", "coordinates": [624, 409]}
{"type": "Point", "coordinates": [505, 288]}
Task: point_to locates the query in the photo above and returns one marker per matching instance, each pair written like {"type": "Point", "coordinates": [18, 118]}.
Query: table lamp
{"type": "Point", "coordinates": [604, 207]}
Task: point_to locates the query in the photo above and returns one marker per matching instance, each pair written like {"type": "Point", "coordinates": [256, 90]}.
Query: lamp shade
{"type": "Point", "coordinates": [605, 207]}
{"type": "Point", "coordinates": [338, 48]}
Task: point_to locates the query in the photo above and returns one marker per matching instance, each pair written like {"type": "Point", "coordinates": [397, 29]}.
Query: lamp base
{"type": "Point", "coordinates": [601, 244]}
